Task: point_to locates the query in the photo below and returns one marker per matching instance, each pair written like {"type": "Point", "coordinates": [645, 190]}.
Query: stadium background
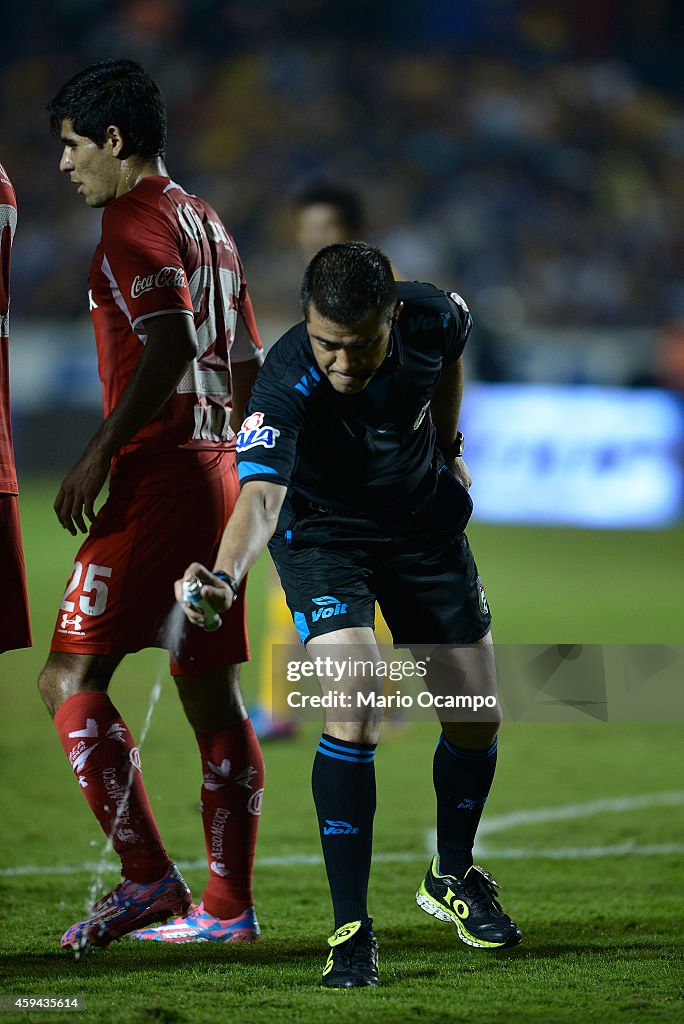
{"type": "Point", "coordinates": [531, 156]}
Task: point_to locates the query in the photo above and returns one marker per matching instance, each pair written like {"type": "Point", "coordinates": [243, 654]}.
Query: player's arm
{"type": "Point", "coordinates": [445, 406]}
{"type": "Point", "coordinates": [243, 375]}
{"type": "Point", "coordinates": [246, 358]}
{"type": "Point", "coordinates": [247, 533]}
{"type": "Point", "coordinates": [169, 349]}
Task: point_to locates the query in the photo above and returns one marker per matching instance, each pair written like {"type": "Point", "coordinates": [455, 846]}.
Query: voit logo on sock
{"type": "Point", "coordinates": [339, 828]}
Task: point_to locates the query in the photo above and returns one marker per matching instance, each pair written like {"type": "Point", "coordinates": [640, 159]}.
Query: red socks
{"type": "Point", "coordinates": [233, 785]}
{"type": "Point", "coordinates": [106, 762]}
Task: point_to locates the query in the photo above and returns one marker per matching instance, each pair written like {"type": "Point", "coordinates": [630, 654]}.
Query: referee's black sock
{"type": "Point", "coordinates": [343, 784]}
{"type": "Point", "coordinates": [462, 781]}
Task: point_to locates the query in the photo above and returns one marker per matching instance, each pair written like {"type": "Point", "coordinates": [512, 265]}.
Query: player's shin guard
{"type": "Point", "coordinates": [106, 763]}
{"type": "Point", "coordinates": [343, 783]}
{"type": "Point", "coordinates": [462, 780]}
{"type": "Point", "coordinates": [232, 789]}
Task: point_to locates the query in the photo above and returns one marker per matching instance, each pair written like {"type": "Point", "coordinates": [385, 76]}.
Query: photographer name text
{"type": "Point", "coordinates": [358, 700]}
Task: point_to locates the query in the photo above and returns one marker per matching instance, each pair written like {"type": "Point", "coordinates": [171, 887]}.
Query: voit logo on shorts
{"type": "Point", "coordinates": [327, 607]}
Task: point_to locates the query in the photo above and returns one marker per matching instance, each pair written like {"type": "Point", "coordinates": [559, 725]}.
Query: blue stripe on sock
{"type": "Point", "coordinates": [350, 755]}
{"type": "Point", "coordinates": [346, 753]}
{"type": "Point", "coordinates": [343, 757]}
{"type": "Point", "coordinates": [469, 755]}
{"type": "Point", "coordinates": [358, 751]}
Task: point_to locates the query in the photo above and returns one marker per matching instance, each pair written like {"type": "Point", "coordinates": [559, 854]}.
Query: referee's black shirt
{"type": "Point", "coordinates": [354, 453]}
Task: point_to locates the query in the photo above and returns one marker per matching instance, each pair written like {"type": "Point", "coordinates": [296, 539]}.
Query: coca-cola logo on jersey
{"type": "Point", "coordinates": [167, 277]}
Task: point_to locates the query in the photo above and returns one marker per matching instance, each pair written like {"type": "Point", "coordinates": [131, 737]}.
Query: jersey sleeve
{"type": "Point", "coordinates": [460, 326]}
{"type": "Point", "coordinates": [143, 262]}
{"type": "Point", "coordinates": [266, 445]}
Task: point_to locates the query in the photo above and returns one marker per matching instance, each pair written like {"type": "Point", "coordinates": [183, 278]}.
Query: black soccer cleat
{"type": "Point", "coordinates": [353, 958]}
{"type": "Point", "coordinates": [471, 904]}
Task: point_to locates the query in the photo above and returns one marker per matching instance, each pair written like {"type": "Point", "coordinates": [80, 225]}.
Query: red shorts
{"type": "Point", "coordinates": [120, 597]}
{"type": "Point", "coordinates": [15, 627]}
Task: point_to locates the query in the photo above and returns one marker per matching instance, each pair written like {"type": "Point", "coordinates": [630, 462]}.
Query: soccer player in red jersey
{"type": "Point", "coordinates": [178, 350]}
{"type": "Point", "coordinates": [15, 629]}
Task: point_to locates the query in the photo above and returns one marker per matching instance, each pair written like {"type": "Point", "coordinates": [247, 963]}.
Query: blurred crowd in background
{"type": "Point", "coordinates": [529, 155]}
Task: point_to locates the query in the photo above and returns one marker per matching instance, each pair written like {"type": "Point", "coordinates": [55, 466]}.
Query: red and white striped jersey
{"type": "Point", "coordinates": [8, 223]}
{"type": "Point", "coordinates": [165, 251]}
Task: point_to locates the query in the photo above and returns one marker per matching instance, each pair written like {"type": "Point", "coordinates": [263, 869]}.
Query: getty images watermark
{"type": "Point", "coordinates": [357, 675]}
{"type": "Point", "coordinates": [517, 682]}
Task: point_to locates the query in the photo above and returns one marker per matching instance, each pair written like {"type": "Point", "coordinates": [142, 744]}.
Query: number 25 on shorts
{"type": "Point", "coordinates": [94, 592]}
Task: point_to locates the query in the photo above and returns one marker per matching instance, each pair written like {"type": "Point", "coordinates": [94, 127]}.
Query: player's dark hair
{"type": "Point", "coordinates": [347, 203]}
{"type": "Point", "coordinates": [345, 282]}
{"type": "Point", "coordinates": [113, 92]}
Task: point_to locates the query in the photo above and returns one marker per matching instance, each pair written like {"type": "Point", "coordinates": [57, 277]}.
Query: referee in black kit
{"type": "Point", "coordinates": [351, 471]}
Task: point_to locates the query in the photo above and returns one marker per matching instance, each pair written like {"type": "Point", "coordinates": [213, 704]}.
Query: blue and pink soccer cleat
{"type": "Point", "coordinates": [129, 906]}
{"type": "Point", "coordinates": [199, 926]}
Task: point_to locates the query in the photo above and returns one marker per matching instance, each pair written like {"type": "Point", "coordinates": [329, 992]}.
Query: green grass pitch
{"type": "Point", "coordinates": [603, 932]}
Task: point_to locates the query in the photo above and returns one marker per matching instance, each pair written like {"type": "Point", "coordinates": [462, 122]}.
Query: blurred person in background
{"type": "Point", "coordinates": [669, 357]}
{"type": "Point", "coordinates": [324, 214]}
{"type": "Point", "coordinates": [15, 628]}
{"type": "Point", "coordinates": [178, 351]}
{"type": "Point", "coordinates": [667, 361]}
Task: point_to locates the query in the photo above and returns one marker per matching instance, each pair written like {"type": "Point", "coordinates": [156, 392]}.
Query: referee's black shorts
{"type": "Point", "coordinates": [415, 562]}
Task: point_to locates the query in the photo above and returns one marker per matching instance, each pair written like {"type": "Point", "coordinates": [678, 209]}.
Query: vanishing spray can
{"type": "Point", "coordinates": [192, 594]}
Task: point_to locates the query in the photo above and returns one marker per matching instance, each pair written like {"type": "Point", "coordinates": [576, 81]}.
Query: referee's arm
{"type": "Point", "coordinates": [445, 406]}
{"type": "Point", "coordinates": [247, 533]}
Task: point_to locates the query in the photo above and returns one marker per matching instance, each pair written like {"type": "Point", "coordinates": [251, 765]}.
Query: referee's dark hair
{"type": "Point", "coordinates": [113, 92]}
{"type": "Point", "coordinates": [347, 281]}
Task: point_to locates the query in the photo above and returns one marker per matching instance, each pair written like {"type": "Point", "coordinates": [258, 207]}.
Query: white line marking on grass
{"type": "Point", "coordinates": [294, 860]}
{"type": "Point", "coordinates": [297, 860]}
{"type": "Point", "coordinates": [628, 848]}
{"type": "Point", "coordinates": [570, 812]}
{"type": "Point", "coordinates": [495, 823]}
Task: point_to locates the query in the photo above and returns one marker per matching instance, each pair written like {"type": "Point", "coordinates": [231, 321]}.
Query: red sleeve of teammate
{"type": "Point", "coordinates": [143, 261]}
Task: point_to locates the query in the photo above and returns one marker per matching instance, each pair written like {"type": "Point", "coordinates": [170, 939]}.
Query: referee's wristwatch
{"type": "Point", "coordinates": [232, 583]}
{"type": "Point", "coordinates": [455, 449]}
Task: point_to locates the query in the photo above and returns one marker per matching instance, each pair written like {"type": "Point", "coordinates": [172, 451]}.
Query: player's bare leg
{"type": "Point", "coordinates": [67, 674]}
{"type": "Point", "coordinates": [212, 700]}
{"type": "Point", "coordinates": [455, 890]}
{"type": "Point", "coordinates": [106, 762]}
{"type": "Point", "coordinates": [364, 724]}
{"type": "Point", "coordinates": [468, 670]}
{"type": "Point", "coordinates": [232, 789]}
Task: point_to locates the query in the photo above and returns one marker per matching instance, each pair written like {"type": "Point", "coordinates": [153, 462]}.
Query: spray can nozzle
{"type": "Point", "coordinates": [192, 594]}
